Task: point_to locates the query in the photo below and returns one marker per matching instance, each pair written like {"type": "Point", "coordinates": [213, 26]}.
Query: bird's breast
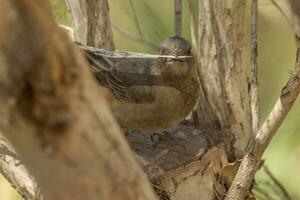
{"type": "Point", "coordinates": [169, 107]}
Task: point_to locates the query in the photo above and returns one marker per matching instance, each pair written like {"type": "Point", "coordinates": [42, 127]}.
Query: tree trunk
{"type": "Point", "coordinates": [91, 23]}
{"type": "Point", "coordinates": [54, 114]}
{"type": "Point", "coordinates": [222, 67]}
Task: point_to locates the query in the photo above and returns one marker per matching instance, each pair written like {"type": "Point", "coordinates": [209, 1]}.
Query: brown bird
{"type": "Point", "coordinates": [150, 94]}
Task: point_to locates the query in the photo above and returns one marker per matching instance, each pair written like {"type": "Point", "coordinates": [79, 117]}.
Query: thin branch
{"type": "Point", "coordinates": [136, 38]}
{"type": "Point", "coordinates": [70, 33]}
{"type": "Point", "coordinates": [136, 21]}
{"type": "Point", "coordinates": [16, 174]}
{"type": "Point", "coordinates": [263, 194]}
{"type": "Point", "coordinates": [91, 23]}
{"type": "Point", "coordinates": [177, 16]}
{"type": "Point", "coordinates": [254, 66]}
{"type": "Point", "coordinates": [193, 24]}
{"type": "Point", "coordinates": [283, 13]}
{"type": "Point", "coordinates": [251, 160]}
{"type": "Point", "coordinates": [277, 183]}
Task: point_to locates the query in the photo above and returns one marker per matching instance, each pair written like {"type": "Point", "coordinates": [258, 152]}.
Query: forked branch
{"type": "Point", "coordinates": [253, 155]}
{"type": "Point", "coordinates": [252, 158]}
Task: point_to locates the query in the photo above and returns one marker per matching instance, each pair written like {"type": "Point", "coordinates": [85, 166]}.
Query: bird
{"type": "Point", "coordinates": [149, 94]}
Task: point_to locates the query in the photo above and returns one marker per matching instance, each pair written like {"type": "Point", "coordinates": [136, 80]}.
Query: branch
{"type": "Point", "coordinates": [142, 40]}
{"type": "Point", "coordinates": [16, 173]}
{"type": "Point", "coordinates": [277, 183]}
{"type": "Point", "coordinates": [177, 16]}
{"type": "Point", "coordinates": [193, 24]}
{"type": "Point", "coordinates": [136, 19]}
{"type": "Point", "coordinates": [254, 84]}
{"type": "Point", "coordinates": [283, 13]}
{"type": "Point", "coordinates": [251, 160]}
{"type": "Point", "coordinates": [258, 145]}
{"type": "Point", "coordinates": [294, 7]}
{"type": "Point", "coordinates": [91, 23]}
{"type": "Point", "coordinates": [55, 115]}
{"type": "Point", "coordinates": [136, 38]}
{"type": "Point", "coordinates": [221, 41]}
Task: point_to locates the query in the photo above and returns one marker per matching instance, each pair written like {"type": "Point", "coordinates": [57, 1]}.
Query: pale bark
{"type": "Point", "coordinates": [251, 161]}
{"type": "Point", "coordinates": [221, 43]}
{"type": "Point", "coordinates": [16, 174]}
{"type": "Point", "coordinates": [91, 23]}
{"type": "Point", "coordinates": [252, 158]}
{"type": "Point", "coordinates": [254, 68]}
{"type": "Point", "coordinates": [53, 112]}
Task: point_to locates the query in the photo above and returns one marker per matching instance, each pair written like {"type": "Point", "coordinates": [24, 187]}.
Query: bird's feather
{"type": "Point", "coordinates": [125, 85]}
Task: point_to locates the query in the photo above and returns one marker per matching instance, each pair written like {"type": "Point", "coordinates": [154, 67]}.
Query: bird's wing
{"type": "Point", "coordinates": [126, 86]}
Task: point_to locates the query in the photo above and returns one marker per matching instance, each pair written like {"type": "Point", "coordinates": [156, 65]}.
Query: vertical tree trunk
{"type": "Point", "coordinates": [221, 44]}
{"type": "Point", "coordinates": [53, 113]}
{"type": "Point", "coordinates": [91, 23]}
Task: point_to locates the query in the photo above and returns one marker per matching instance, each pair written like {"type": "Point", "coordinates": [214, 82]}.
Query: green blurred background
{"type": "Point", "coordinates": [276, 60]}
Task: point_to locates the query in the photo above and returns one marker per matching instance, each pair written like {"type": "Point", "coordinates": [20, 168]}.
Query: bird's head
{"type": "Point", "coordinates": [175, 46]}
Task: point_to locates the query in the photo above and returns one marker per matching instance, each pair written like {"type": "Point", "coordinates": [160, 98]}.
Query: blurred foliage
{"type": "Point", "coordinates": [276, 60]}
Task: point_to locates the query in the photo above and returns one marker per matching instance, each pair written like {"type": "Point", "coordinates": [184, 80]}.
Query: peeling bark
{"type": "Point", "coordinates": [222, 67]}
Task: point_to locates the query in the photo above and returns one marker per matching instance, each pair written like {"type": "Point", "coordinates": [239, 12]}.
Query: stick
{"type": "Point", "coordinates": [136, 21]}
{"type": "Point", "coordinates": [193, 24]}
{"type": "Point", "coordinates": [16, 174]}
{"type": "Point", "coordinates": [136, 38]}
{"type": "Point", "coordinates": [277, 183]}
{"type": "Point", "coordinates": [254, 66]}
{"type": "Point", "coordinates": [178, 10]}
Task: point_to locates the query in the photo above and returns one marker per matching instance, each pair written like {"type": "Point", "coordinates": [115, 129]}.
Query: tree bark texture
{"type": "Point", "coordinates": [252, 158]}
{"type": "Point", "coordinates": [221, 43]}
{"type": "Point", "coordinates": [16, 174]}
{"type": "Point", "coordinates": [91, 23]}
{"type": "Point", "coordinates": [54, 114]}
